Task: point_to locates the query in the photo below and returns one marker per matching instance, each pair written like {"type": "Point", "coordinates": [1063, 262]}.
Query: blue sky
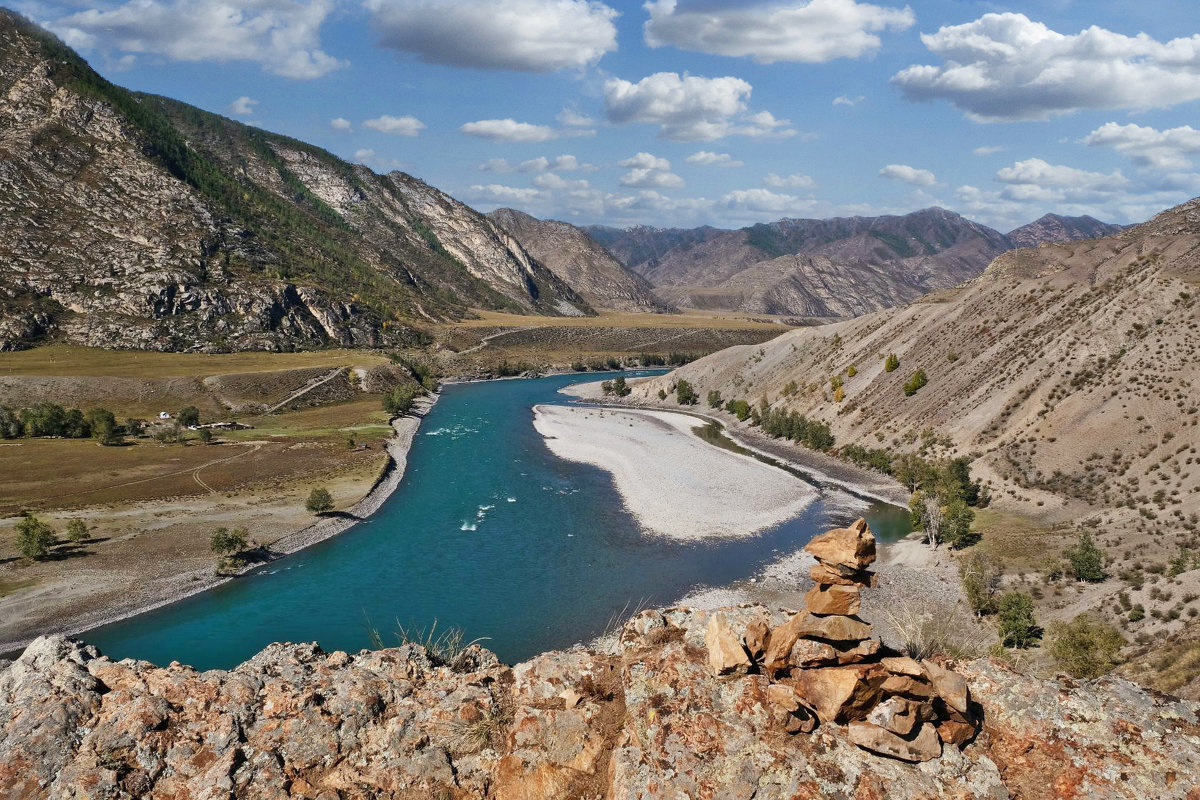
{"type": "Point", "coordinates": [688, 112]}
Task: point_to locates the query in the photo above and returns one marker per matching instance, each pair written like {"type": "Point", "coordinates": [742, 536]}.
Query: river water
{"type": "Point", "coordinates": [490, 533]}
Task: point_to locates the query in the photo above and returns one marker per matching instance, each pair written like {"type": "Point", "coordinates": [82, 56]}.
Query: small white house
{"type": "Point", "coordinates": [164, 415]}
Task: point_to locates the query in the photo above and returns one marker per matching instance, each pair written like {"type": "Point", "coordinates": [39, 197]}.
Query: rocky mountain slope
{"type": "Point", "coordinates": [137, 221]}
{"type": "Point", "coordinates": [646, 718]}
{"type": "Point", "coordinates": [595, 273]}
{"type": "Point", "coordinates": [1068, 373]}
{"type": "Point", "coordinates": [1055, 228]}
{"type": "Point", "coordinates": [824, 268]}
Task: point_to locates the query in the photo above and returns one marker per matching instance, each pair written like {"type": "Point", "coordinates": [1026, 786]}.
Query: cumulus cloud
{"type": "Point", "coordinates": [281, 35]}
{"type": "Point", "coordinates": [645, 161]}
{"type": "Point", "coordinates": [689, 108]}
{"type": "Point", "coordinates": [794, 181]}
{"type": "Point", "coordinates": [708, 158]}
{"type": "Point", "coordinates": [497, 193]}
{"type": "Point", "coordinates": [563, 163]}
{"type": "Point", "coordinates": [651, 179]}
{"type": "Point", "coordinates": [810, 31]}
{"type": "Point", "coordinates": [573, 119]}
{"type": "Point", "coordinates": [755, 202]}
{"type": "Point", "coordinates": [521, 35]}
{"type": "Point", "coordinates": [549, 180]}
{"type": "Point", "coordinates": [509, 130]}
{"type": "Point", "coordinates": [376, 161]}
{"type": "Point", "coordinates": [397, 126]}
{"type": "Point", "coordinates": [987, 150]}
{"type": "Point", "coordinates": [1147, 147]}
{"type": "Point", "coordinates": [243, 106]}
{"type": "Point", "coordinates": [340, 124]}
{"type": "Point", "coordinates": [1035, 172]}
{"type": "Point", "coordinates": [1005, 67]}
{"type": "Point", "coordinates": [845, 100]}
{"type": "Point", "coordinates": [907, 174]}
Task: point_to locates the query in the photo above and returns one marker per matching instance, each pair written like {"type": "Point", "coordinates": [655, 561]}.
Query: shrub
{"type": "Point", "coordinates": [839, 394]}
{"type": "Point", "coordinates": [606, 387]}
{"type": "Point", "coordinates": [401, 398]}
{"type": "Point", "coordinates": [225, 542]}
{"type": "Point", "coordinates": [739, 408]}
{"type": "Point", "coordinates": [34, 537]}
{"type": "Point", "coordinates": [1137, 613]}
{"type": "Point", "coordinates": [851, 371]}
{"type": "Point", "coordinates": [1087, 560]}
{"type": "Point", "coordinates": [77, 530]}
{"type": "Point", "coordinates": [189, 417]}
{"type": "Point", "coordinates": [104, 426]}
{"type": "Point", "coordinates": [685, 395]}
{"type": "Point", "coordinates": [1018, 628]}
{"type": "Point", "coordinates": [1085, 647]}
{"type": "Point", "coordinates": [662, 394]}
{"type": "Point", "coordinates": [913, 384]}
{"type": "Point", "coordinates": [319, 501]}
{"type": "Point", "coordinates": [206, 435]}
{"type": "Point", "coordinates": [714, 398]}
{"type": "Point", "coordinates": [981, 580]}
{"type": "Point", "coordinates": [620, 388]}
{"type": "Point", "coordinates": [891, 363]}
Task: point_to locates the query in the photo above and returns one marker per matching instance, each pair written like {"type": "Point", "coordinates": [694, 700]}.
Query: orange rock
{"type": "Point", "coordinates": [863, 651]}
{"type": "Point", "coordinates": [811, 653]}
{"type": "Point", "coordinates": [834, 629]}
{"type": "Point", "coordinates": [900, 715]}
{"type": "Point", "coordinates": [836, 599]}
{"type": "Point", "coordinates": [758, 632]}
{"type": "Point", "coordinates": [908, 686]}
{"type": "Point", "coordinates": [823, 574]}
{"type": "Point", "coordinates": [956, 732]}
{"type": "Point", "coordinates": [903, 665]}
{"type": "Point", "coordinates": [949, 685]}
{"type": "Point", "coordinates": [923, 746]}
{"type": "Point", "coordinates": [850, 548]}
{"type": "Point", "coordinates": [725, 651]}
{"type": "Point", "coordinates": [780, 643]}
{"type": "Point", "coordinates": [840, 693]}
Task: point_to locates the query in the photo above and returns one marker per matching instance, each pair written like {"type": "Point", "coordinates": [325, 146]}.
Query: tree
{"type": "Point", "coordinates": [319, 501]}
{"type": "Point", "coordinates": [1085, 647]}
{"type": "Point", "coordinates": [401, 398]}
{"type": "Point", "coordinates": [620, 388]}
{"type": "Point", "coordinates": [662, 394]}
{"type": "Point", "coordinates": [891, 363]}
{"type": "Point", "coordinates": [104, 426]}
{"type": "Point", "coordinates": [685, 395]}
{"type": "Point", "coordinates": [1018, 628]}
{"type": "Point", "coordinates": [77, 530]}
{"type": "Point", "coordinates": [606, 387]}
{"type": "Point", "coordinates": [913, 384]}
{"type": "Point", "coordinates": [188, 417]}
{"type": "Point", "coordinates": [714, 398]}
{"type": "Point", "coordinates": [225, 542]}
{"type": "Point", "coordinates": [34, 537]}
{"type": "Point", "coordinates": [134, 427]}
{"type": "Point", "coordinates": [981, 581]}
{"type": "Point", "coordinates": [739, 408]}
{"type": "Point", "coordinates": [1087, 560]}
{"type": "Point", "coordinates": [206, 435]}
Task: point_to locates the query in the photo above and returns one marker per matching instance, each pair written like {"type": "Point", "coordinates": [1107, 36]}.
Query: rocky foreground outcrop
{"type": "Point", "coordinates": [645, 718]}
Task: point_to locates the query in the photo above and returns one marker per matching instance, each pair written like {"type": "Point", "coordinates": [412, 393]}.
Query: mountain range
{"type": "Point", "coordinates": [839, 267]}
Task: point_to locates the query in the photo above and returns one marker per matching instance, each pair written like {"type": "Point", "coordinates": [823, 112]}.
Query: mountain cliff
{"type": "Point", "coordinates": [646, 718]}
{"type": "Point", "coordinates": [838, 267]}
{"type": "Point", "coordinates": [586, 266]}
{"type": "Point", "coordinates": [136, 221]}
{"type": "Point", "coordinates": [1067, 372]}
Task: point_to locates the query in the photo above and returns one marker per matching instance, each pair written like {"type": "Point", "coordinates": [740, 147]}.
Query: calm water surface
{"type": "Point", "coordinates": [488, 532]}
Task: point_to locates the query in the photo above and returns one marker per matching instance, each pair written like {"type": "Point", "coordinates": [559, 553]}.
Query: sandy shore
{"type": "Point", "coordinates": [190, 582]}
{"type": "Point", "coordinates": [654, 455]}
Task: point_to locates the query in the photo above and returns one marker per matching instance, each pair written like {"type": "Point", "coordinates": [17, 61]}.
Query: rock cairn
{"type": "Point", "coordinates": [825, 667]}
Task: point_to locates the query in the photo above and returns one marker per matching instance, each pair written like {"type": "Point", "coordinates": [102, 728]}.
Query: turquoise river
{"type": "Point", "coordinates": [488, 532]}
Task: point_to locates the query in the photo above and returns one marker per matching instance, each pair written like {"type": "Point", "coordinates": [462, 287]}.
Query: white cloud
{"type": "Point", "coordinates": [509, 130]}
{"type": "Point", "coordinates": [1148, 147]}
{"type": "Point", "coordinates": [1035, 172]}
{"type": "Point", "coordinates": [522, 35]}
{"type": "Point", "coordinates": [243, 106]}
{"type": "Point", "coordinates": [987, 150]}
{"type": "Point", "coordinates": [645, 161]}
{"type": "Point", "coordinates": [397, 126]}
{"type": "Point", "coordinates": [281, 35]}
{"type": "Point", "coordinates": [1005, 67]}
{"type": "Point", "coordinates": [907, 174]}
{"type": "Point", "coordinates": [549, 180]}
{"type": "Point", "coordinates": [496, 193]}
{"type": "Point", "coordinates": [794, 181]}
{"type": "Point", "coordinates": [573, 119]}
{"type": "Point", "coordinates": [563, 163]}
{"type": "Point", "coordinates": [809, 31]}
{"type": "Point", "coordinates": [708, 158]}
{"type": "Point", "coordinates": [340, 124]}
{"type": "Point", "coordinates": [689, 108]}
{"type": "Point", "coordinates": [755, 202]}
{"type": "Point", "coordinates": [651, 179]}
{"type": "Point", "coordinates": [376, 161]}
{"type": "Point", "coordinates": [845, 100]}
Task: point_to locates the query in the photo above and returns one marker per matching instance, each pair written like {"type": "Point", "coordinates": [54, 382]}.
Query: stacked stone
{"type": "Point", "coordinates": [824, 666]}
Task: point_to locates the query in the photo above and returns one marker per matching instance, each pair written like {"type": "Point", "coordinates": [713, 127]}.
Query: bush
{"type": "Point", "coordinates": [714, 399]}
{"type": "Point", "coordinates": [400, 399]}
{"type": "Point", "coordinates": [319, 501]}
{"type": "Point", "coordinates": [606, 387]}
{"type": "Point", "coordinates": [104, 426]}
{"type": "Point", "coordinates": [620, 388]}
{"type": "Point", "coordinates": [77, 530]}
{"type": "Point", "coordinates": [981, 580]}
{"type": "Point", "coordinates": [34, 538]}
{"type": "Point", "coordinates": [662, 394]}
{"type": "Point", "coordinates": [913, 384]}
{"type": "Point", "coordinates": [205, 435]}
{"type": "Point", "coordinates": [1087, 560]}
{"type": "Point", "coordinates": [1085, 647]}
{"type": "Point", "coordinates": [739, 408]}
{"type": "Point", "coordinates": [1018, 628]}
{"type": "Point", "coordinates": [225, 542]}
{"type": "Point", "coordinates": [189, 417]}
{"type": "Point", "coordinates": [1137, 613]}
{"type": "Point", "coordinates": [851, 371]}
{"type": "Point", "coordinates": [685, 395]}
{"type": "Point", "coordinates": [891, 363]}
